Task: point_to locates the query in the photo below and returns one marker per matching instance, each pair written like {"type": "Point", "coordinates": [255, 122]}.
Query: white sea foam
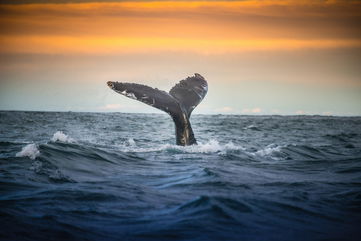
{"type": "Point", "coordinates": [131, 142]}
{"type": "Point", "coordinates": [60, 136]}
{"type": "Point", "coordinates": [269, 150]}
{"type": "Point", "coordinates": [212, 146]}
{"type": "Point", "coordinates": [250, 127]}
{"type": "Point", "coordinates": [30, 150]}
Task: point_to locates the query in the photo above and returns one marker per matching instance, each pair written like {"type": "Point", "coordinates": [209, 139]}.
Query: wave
{"type": "Point", "coordinates": [297, 152]}
{"type": "Point", "coordinates": [252, 127]}
{"type": "Point", "coordinates": [269, 150]}
{"type": "Point", "coordinates": [60, 136]}
{"type": "Point", "coordinates": [30, 150]}
{"type": "Point", "coordinates": [63, 158]}
{"type": "Point", "coordinates": [212, 146]}
{"type": "Point", "coordinates": [130, 146]}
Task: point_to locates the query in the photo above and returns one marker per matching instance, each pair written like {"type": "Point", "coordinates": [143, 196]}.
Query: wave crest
{"type": "Point", "coordinates": [30, 150]}
{"type": "Point", "coordinates": [212, 146]}
{"type": "Point", "coordinates": [269, 150]}
{"type": "Point", "coordinates": [60, 136]}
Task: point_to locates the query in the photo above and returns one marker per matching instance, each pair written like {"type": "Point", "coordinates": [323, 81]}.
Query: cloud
{"type": "Point", "coordinates": [111, 107]}
{"type": "Point", "coordinates": [206, 27]}
{"type": "Point", "coordinates": [225, 109]}
{"type": "Point", "coordinates": [301, 112]}
{"type": "Point", "coordinates": [255, 110]}
{"type": "Point", "coordinates": [327, 113]}
{"type": "Point", "coordinates": [118, 45]}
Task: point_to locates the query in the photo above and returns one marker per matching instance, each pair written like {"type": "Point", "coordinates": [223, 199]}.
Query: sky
{"type": "Point", "coordinates": [283, 57]}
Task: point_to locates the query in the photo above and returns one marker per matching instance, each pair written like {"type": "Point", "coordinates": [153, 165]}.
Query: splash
{"type": "Point", "coordinates": [212, 146]}
{"type": "Point", "coordinates": [60, 136]}
{"type": "Point", "coordinates": [130, 142]}
{"type": "Point", "coordinates": [30, 150]}
{"type": "Point", "coordinates": [272, 151]}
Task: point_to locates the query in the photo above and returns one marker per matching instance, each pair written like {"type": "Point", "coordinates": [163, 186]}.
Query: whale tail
{"type": "Point", "coordinates": [178, 103]}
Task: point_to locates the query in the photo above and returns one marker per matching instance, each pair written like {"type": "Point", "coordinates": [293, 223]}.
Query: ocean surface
{"type": "Point", "coordinates": [117, 176]}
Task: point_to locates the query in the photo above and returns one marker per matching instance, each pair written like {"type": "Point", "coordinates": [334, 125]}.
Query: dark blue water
{"type": "Point", "coordinates": [114, 176]}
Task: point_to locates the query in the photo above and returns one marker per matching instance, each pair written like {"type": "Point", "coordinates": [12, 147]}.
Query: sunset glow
{"type": "Point", "coordinates": [99, 45]}
{"type": "Point", "coordinates": [202, 27]}
{"type": "Point", "coordinates": [314, 42]}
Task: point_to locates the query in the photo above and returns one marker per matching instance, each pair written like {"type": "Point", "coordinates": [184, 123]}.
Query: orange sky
{"type": "Point", "coordinates": [199, 26]}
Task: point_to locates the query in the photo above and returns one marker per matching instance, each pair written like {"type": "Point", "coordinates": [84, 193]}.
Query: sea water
{"type": "Point", "coordinates": [118, 176]}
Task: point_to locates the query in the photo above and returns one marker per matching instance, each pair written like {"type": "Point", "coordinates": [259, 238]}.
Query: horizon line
{"type": "Point", "coordinates": [161, 113]}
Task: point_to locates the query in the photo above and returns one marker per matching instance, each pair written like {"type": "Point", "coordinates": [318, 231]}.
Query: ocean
{"type": "Point", "coordinates": [119, 176]}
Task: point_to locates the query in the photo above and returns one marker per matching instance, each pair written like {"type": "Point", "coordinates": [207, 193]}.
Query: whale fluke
{"type": "Point", "coordinates": [178, 103]}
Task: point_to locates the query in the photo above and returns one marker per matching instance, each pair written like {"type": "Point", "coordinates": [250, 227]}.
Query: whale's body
{"type": "Point", "coordinates": [178, 103]}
